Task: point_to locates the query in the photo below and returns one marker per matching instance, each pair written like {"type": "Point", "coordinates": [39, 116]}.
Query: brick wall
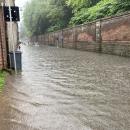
{"type": "Point", "coordinates": [108, 35]}
{"type": "Point", "coordinates": [3, 54]}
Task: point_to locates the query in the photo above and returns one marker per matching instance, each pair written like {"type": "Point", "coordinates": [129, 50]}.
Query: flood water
{"type": "Point", "coordinates": [62, 89]}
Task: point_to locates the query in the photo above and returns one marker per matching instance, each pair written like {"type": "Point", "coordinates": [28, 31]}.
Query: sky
{"type": "Point", "coordinates": [20, 3]}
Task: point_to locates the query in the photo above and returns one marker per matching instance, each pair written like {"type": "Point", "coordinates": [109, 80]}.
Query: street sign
{"type": "Point", "coordinates": [14, 14]}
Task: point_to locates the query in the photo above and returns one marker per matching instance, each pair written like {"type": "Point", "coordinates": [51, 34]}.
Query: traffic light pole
{"type": "Point", "coordinates": [11, 26]}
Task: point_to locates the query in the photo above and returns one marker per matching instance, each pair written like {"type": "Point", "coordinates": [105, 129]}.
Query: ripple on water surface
{"type": "Point", "coordinates": [62, 89]}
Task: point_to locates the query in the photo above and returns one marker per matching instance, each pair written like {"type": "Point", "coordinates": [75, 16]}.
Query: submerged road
{"type": "Point", "coordinates": [62, 89]}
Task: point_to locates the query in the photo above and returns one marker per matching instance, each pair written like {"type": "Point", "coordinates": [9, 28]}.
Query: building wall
{"type": "Point", "coordinates": [12, 29]}
{"type": "Point", "coordinates": [8, 35]}
{"type": "Point", "coordinates": [109, 35]}
{"type": "Point", "coordinates": [3, 51]}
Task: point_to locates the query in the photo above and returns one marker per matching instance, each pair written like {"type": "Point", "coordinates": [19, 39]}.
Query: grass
{"type": "Point", "coordinates": [2, 80]}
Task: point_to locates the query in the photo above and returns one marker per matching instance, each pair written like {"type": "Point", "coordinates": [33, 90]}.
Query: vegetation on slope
{"type": "Point", "coordinates": [101, 9]}
{"type": "Point", "coordinates": [2, 80]}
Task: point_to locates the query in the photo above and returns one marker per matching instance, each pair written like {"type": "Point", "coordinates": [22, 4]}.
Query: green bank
{"type": "Point", "coordinates": [2, 80]}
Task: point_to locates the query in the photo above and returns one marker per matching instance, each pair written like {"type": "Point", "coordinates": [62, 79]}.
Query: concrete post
{"type": "Point", "coordinates": [98, 35]}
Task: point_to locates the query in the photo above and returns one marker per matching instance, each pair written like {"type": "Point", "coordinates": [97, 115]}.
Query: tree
{"type": "Point", "coordinates": [77, 3]}
{"type": "Point", "coordinates": [35, 17]}
{"type": "Point", "coordinates": [50, 15]}
{"type": "Point", "coordinates": [43, 16]}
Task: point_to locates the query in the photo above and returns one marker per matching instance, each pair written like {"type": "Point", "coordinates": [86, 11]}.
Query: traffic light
{"type": "Point", "coordinates": [14, 13]}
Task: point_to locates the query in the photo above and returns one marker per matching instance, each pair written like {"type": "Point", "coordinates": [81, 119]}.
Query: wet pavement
{"type": "Point", "coordinates": [62, 89]}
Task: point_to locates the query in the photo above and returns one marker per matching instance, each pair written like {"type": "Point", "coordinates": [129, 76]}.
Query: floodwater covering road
{"type": "Point", "coordinates": [62, 89]}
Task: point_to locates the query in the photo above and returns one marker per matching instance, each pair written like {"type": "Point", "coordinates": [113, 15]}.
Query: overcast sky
{"type": "Point", "coordinates": [20, 3]}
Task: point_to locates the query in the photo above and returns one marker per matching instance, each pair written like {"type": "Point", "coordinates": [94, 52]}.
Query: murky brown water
{"type": "Point", "coordinates": [61, 89]}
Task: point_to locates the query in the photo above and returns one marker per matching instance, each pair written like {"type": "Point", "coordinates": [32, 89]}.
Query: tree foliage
{"type": "Point", "coordinates": [102, 9]}
{"type": "Point", "coordinates": [46, 15]}
{"type": "Point", "coordinates": [49, 15]}
{"type": "Point", "coordinates": [35, 18]}
{"type": "Point", "coordinates": [77, 3]}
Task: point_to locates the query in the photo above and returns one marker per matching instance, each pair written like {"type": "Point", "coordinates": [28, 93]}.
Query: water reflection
{"type": "Point", "coordinates": [62, 89]}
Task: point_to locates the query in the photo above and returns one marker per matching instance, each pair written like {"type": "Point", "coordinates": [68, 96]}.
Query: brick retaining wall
{"type": "Point", "coordinates": [108, 35]}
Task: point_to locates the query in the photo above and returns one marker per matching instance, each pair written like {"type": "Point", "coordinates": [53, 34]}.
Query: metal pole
{"type": "Point", "coordinates": [11, 26]}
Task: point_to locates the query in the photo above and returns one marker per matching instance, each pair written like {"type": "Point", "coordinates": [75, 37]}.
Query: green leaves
{"type": "Point", "coordinates": [50, 15]}
{"type": "Point", "coordinates": [101, 9]}
{"type": "Point", "coordinates": [35, 17]}
{"type": "Point", "coordinates": [77, 3]}
{"type": "Point", "coordinates": [46, 15]}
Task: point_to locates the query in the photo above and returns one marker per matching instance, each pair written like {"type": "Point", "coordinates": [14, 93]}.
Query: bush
{"type": "Point", "coordinates": [101, 9]}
